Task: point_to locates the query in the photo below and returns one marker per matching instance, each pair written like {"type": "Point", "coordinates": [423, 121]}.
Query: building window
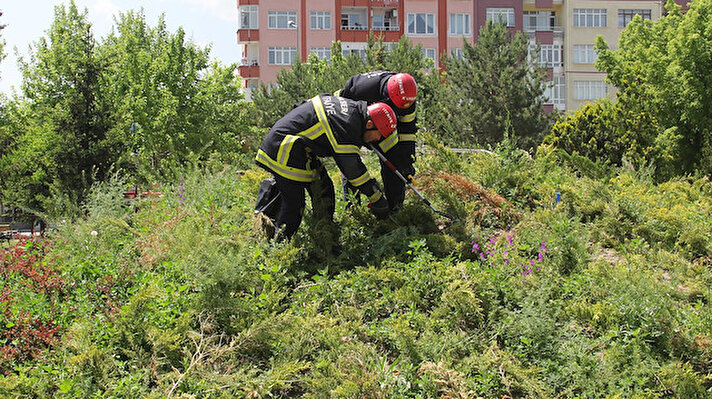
{"type": "Point", "coordinates": [321, 20]}
{"type": "Point", "coordinates": [429, 53]}
{"type": "Point", "coordinates": [460, 25]}
{"type": "Point", "coordinates": [248, 17]}
{"type": "Point", "coordinates": [421, 24]}
{"type": "Point", "coordinates": [590, 17]}
{"type": "Point", "coordinates": [281, 55]}
{"type": "Point", "coordinates": [502, 15]}
{"type": "Point", "coordinates": [282, 19]}
{"type": "Point", "coordinates": [352, 21]}
{"type": "Point", "coordinates": [457, 53]}
{"type": "Point", "coordinates": [323, 53]}
{"type": "Point", "coordinates": [555, 92]}
{"type": "Point", "coordinates": [584, 54]}
{"type": "Point", "coordinates": [625, 16]}
{"type": "Point", "coordinates": [535, 21]}
{"type": "Point", "coordinates": [550, 55]}
{"type": "Point", "coordinates": [385, 20]}
{"type": "Point", "coordinates": [590, 89]}
{"type": "Point", "coordinates": [360, 53]}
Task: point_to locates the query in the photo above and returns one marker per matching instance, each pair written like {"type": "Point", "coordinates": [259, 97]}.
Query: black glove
{"type": "Point", "coordinates": [380, 208]}
{"type": "Point", "coordinates": [409, 172]}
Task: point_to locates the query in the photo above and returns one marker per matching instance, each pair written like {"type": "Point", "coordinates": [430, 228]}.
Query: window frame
{"type": "Point", "coordinates": [586, 90]}
{"type": "Point", "coordinates": [507, 12]}
{"type": "Point", "coordinates": [461, 20]}
{"type": "Point", "coordinates": [274, 17]}
{"type": "Point", "coordinates": [274, 51]}
{"type": "Point", "coordinates": [427, 18]}
{"type": "Point", "coordinates": [625, 15]}
{"type": "Point", "coordinates": [538, 16]}
{"type": "Point", "coordinates": [252, 12]}
{"type": "Point", "coordinates": [320, 20]}
{"type": "Point", "coordinates": [590, 18]}
{"type": "Point", "coordinates": [584, 54]}
{"type": "Point", "coordinates": [555, 91]}
{"type": "Point", "coordinates": [323, 53]}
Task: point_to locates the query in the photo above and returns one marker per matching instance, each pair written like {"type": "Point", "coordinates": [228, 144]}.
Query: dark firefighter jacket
{"type": "Point", "coordinates": [325, 126]}
{"type": "Point", "coordinates": [371, 87]}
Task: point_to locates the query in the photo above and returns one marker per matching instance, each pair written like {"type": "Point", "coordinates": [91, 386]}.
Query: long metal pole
{"type": "Point", "coordinates": [395, 170]}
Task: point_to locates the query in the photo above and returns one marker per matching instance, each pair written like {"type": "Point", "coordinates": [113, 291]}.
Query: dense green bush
{"type": "Point", "coordinates": [609, 133]}
{"type": "Point", "coordinates": [604, 294]}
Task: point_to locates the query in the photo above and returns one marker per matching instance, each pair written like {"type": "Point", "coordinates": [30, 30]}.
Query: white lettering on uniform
{"type": "Point", "coordinates": [329, 106]}
{"type": "Point", "coordinates": [370, 74]}
{"type": "Point", "coordinates": [344, 106]}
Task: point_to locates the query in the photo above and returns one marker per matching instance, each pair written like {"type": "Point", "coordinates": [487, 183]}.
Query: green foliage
{"type": "Point", "coordinates": [658, 69]}
{"type": "Point", "coordinates": [63, 145]}
{"type": "Point", "coordinates": [604, 294]}
{"type": "Point", "coordinates": [144, 101]}
{"type": "Point", "coordinates": [2, 42]}
{"type": "Point", "coordinates": [493, 91]}
{"type": "Point", "coordinates": [305, 80]}
{"type": "Point", "coordinates": [172, 104]}
{"type": "Point", "coordinates": [610, 133]}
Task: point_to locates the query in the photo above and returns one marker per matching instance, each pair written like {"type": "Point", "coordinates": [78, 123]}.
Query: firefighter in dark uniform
{"type": "Point", "coordinates": [325, 126]}
{"type": "Point", "coordinates": [399, 91]}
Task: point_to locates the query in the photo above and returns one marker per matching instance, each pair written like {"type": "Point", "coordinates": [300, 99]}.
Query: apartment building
{"type": "Point", "coordinates": [272, 33]}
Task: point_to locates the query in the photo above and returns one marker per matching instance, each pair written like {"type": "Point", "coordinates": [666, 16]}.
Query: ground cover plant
{"type": "Point", "coordinates": [603, 294]}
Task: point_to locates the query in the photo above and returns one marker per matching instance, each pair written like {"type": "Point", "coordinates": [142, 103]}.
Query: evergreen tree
{"type": "Point", "coordinates": [494, 88]}
{"type": "Point", "coordinates": [305, 80]}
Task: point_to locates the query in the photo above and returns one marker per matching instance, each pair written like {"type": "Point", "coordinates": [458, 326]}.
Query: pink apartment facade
{"type": "Point", "coordinates": [272, 33]}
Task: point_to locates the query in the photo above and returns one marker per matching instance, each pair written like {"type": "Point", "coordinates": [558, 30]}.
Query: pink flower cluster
{"type": "Point", "coordinates": [489, 250]}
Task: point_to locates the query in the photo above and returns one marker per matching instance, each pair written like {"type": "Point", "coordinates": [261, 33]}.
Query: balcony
{"type": "Point", "coordinates": [544, 34]}
{"type": "Point", "coordinates": [385, 19]}
{"type": "Point", "coordinates": [250, 71]}
{"type": "Point", "coordinates": [543, 3]}
{"type": "Point", "coordinates": [248, 35]}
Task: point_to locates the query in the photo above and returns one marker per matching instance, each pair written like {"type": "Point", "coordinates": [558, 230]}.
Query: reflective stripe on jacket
{"type": "Point", "coordinates": [325, 126]}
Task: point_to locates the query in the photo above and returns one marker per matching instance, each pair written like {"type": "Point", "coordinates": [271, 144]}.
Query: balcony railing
{"type": "Point", "coordinates": [543, 28]}
{"type": "Point", "coordinates": [249, 71]}
{"type": "Point", "coordinates": [391, 28]}
{"type": "Point", "coordinates": [557, 31]}
{"type": "Point", "coordinates": [353, 27]}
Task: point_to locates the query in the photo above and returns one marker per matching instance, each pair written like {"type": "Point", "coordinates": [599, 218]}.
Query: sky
{"type": "Point", "coordinates": [204, 21]}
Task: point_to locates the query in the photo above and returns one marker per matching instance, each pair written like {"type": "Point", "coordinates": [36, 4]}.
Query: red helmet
{"type": "Point", "coordinates": [402, 90]}
{"type": "Point", "coordinates": [383, 117]}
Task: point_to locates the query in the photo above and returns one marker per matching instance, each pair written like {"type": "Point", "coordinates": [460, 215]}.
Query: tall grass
{"type": "Point", "coordinates": [604, 294]}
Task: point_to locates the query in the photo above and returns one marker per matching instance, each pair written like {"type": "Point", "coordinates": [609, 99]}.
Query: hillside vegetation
{"type": "Point", "coordinates": [604, 294]}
